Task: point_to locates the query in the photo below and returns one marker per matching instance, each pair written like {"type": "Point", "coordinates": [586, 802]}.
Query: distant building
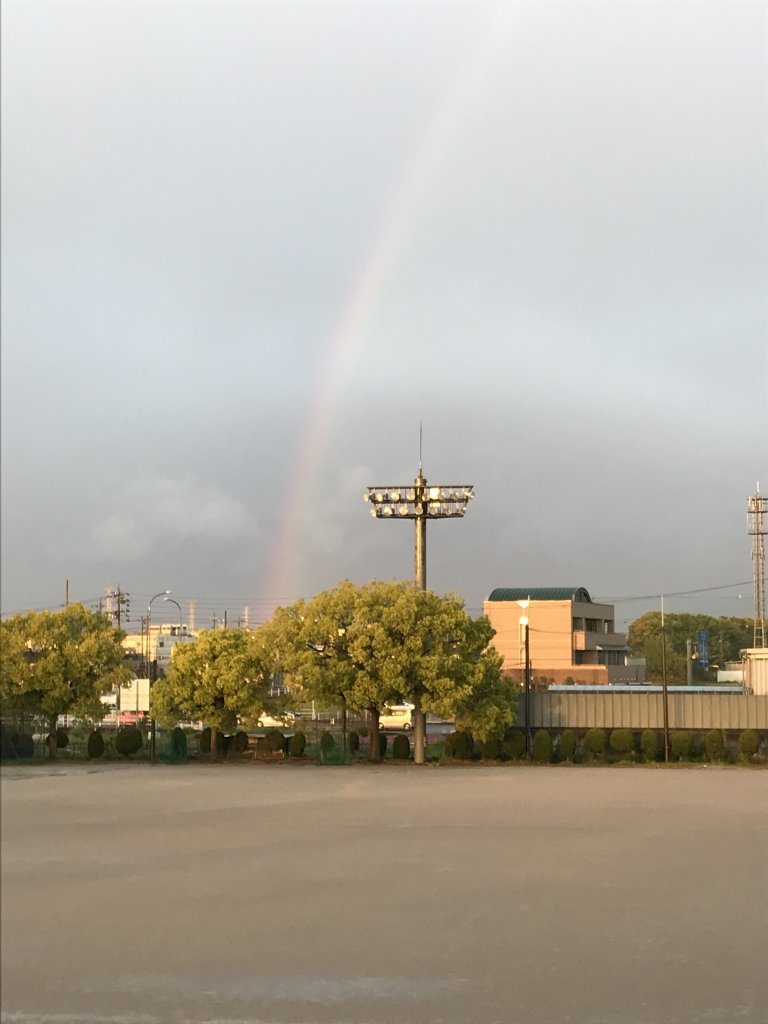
{"type": "Point", "coordinates": [571, 639]}
{"type": "Point", "coordinates": [162, 640]}
{"type": "Point", "coordinates": [755, 661]}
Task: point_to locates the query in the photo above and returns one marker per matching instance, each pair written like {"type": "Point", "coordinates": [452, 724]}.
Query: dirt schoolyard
{"type": "Point", "coordinates": [134, 894]}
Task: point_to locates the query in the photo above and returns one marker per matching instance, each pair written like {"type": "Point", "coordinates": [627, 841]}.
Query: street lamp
{"type": "Point", "coordinates": [524, 622]}
{"type": "Point", "coordinates": [328, 649]}
{"type": "Point", "coordinates": [152, 729]}
{"type": "Point", "coordinates": [178, 606]}
{"type": "Point", "coordinates": [420, 503]}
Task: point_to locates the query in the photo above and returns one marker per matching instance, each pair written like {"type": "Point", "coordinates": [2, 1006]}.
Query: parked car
{"type": "Point", "coordinates": [396, 716]}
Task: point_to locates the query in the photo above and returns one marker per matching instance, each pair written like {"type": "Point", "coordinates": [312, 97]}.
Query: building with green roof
{"type": "Point", "coordinates": [571, 637]}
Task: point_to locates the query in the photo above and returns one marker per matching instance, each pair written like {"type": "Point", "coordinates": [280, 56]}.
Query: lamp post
{"type": "Point", "coordinates": [152, 730]}
{"type": "Point", "coordinates": [527, 681]}
{"type": "Point", "coordinates": [173, 601]}
{"type": "Point", "coordinates": [664, 691]}
{"type": "Point", "coordinates": [420, 503]}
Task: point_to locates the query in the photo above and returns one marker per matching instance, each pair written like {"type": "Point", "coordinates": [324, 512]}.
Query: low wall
{"type": "Point", "coordinates": [699, 711]}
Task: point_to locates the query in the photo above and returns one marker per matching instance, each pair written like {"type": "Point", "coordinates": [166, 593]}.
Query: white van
{"type": "Point", "coordinates": [396, 716]}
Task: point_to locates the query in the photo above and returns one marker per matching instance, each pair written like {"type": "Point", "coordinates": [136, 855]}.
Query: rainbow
{"type": "Point", "coordinates": [347, 333]}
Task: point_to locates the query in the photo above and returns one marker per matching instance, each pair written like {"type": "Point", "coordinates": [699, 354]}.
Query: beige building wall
{"type": "Point", "coordinates": [756, 670]}
{"type": "Point", "coordinates": [567, 639]}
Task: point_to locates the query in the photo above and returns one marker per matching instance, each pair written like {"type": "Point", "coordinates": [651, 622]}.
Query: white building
{"type": "Point", "coordinates": [755, 661]}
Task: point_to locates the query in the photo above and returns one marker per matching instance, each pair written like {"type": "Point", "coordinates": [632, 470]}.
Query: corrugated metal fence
{"type": "Point", "coordinates": [645, 711]}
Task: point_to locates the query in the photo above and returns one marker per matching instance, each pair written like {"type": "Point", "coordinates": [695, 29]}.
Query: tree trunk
{"type": "Point", "coordinates": [374, 754]}
{"type": "Point", "coordinates": [52, 744]}
{"type": "Point", "coordinates": [214, 746]}
{"type": "Point", "coordinates": [419, 732]}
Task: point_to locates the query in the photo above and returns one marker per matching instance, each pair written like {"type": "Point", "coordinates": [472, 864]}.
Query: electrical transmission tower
{"type": "Point", "coordinates": [118, 604]}
{"type": "Point", "coordinates": [757, 505]}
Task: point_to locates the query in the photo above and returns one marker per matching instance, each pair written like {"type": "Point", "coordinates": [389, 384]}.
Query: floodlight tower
{"type": "Point", "coordinates": [757, 506]}
{"type": "Point", "coordinates": [420, 503]}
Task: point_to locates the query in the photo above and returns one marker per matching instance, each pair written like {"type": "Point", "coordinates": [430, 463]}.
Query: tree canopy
{"type": "Point", "coordinates": [221, 678]}
{"type": "Point", "coordinates": [60, 663]}
{"type": "Point", "coordinates": [383, 643]}
{"type": "Point", "coordinates": [727, 637]}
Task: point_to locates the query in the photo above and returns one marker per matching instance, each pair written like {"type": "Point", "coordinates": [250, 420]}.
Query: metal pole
{"type": "Point", "coordinates": [420, 560]}
{"type": "Point", "coordinates": [665, 695]}
{"type": "Point", "coordinates": [527, 692]}
{"type": "Point", "coordinates": [150, 673]}
{"type": "Point", "coordinates": [344, 729]}
{"type": "Point", "coordinates": [689, 662]}
{"type": "Point", "coordinates": [420, 524]}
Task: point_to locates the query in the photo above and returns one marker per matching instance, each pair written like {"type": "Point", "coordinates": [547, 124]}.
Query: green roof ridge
{"type": "Point", "coordinates": [541, 594]}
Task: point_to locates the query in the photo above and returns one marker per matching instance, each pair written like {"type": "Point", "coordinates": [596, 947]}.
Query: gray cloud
{"type": "Point", "coordinates": [154, 511]}
{"type": "Point", "coordinates": [568, 205]}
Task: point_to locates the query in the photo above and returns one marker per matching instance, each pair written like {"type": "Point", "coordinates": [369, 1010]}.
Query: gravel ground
{"type": "Point", "coordinates": [384, 895]}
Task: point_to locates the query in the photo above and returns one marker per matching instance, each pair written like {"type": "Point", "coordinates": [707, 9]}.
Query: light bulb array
{"type": "Point", "coordinates": [446, 501]}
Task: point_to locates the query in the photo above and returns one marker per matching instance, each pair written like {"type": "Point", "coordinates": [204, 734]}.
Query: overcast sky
{"type": "Point", "coordinates": [248, 247]}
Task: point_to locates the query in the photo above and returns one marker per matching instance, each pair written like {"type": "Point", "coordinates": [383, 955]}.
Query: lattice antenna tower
{"type": "Point", "coordinates": [757, 506]}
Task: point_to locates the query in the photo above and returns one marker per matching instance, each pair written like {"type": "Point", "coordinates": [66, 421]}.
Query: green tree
{"type": "Point", "coordinates": [366, 647]}
{"type": "Point", "coordinates": [221, 679]}
{"type": "Point", "coordinates": [60, 663]}
{"type": "Point", "coordinates": [428, 650]}
{"type": "Point", "coordinates": [727, 636]}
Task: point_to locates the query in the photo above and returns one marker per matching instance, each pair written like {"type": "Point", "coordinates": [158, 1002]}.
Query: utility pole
{"type": "Point", "coordinates": [117, 601]}
{"type": "Point", "coordinates": [66, 593]}
{"type": "Point", "coordinates": [689, 662]}
{"type": "Point", "coordinates": [665, 695]}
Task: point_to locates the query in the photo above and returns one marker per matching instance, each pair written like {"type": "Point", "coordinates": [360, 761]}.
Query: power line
{"type": "Point", "coordinates": [671, 593]}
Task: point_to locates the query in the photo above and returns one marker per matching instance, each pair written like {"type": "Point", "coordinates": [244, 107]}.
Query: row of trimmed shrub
{"type": "Point", "coordinates": [600, 745]}
{"type": "Point", "coordinates": [401, 746]}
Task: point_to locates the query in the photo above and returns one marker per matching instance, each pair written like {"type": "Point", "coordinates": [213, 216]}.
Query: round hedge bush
{"type": "Point", "coordinates": [622, 742]}
{"type": "Point", "coordinates": [15, 744]}
{"type": "Point", "coordinates": [95, 744]}
{"type": "Point", "coordinates": [327, 742]}
{"type": "Point", "coordinates": [458, 746]}
{"type": "Point", "coordinates": [567, 745]}
{"type": "Point", "coordinates": [542, 747]}
{"type": "Point", "coordinates": [749, 743]}
{"type": "Point", "coordinates": [401, 748]}
{"type": "Point", "coordinates": [490, 750]}
{"type": "Point", "coordinates": [650, 745]}
{"type": "Point", "coordinates": [275, 741]}
{"type": "Point", "coordinates": [298, 744]}
{"type": "Point", "coordinates": [62, 739]}
{"type": "Point", "coordinates": [354, 743]}
{"type": "Point", "coordinates": [240, 742]}
{"type": "Point", "coordinates": [714, 745]}
{"type": "Point", "coordinates": [595, 742]}
{"type": "Point", "coordinates": [128, 740]}
{"type": "Point", "coordinates": [513, 745]}
{"type": "Point", "coordinates": [205, 741]}
{"type": "Point", "coordinates": [25, 745]}
{"type": "Point", "coordinates": [682, 745]}
{"type": "Point", "coordinates": [178, 744]}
